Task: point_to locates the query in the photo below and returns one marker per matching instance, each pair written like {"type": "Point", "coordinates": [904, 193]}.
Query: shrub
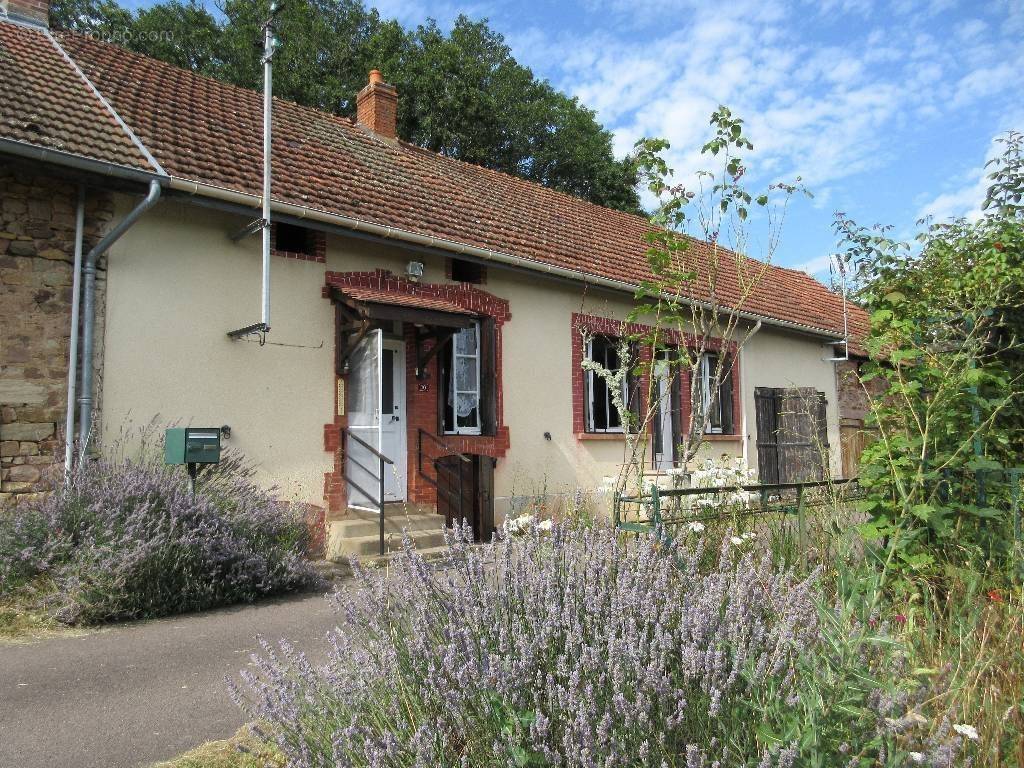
{"type": "Point", "coordinates": [579, 648]}
{"type": "Point", "coordinates": [124, 539]}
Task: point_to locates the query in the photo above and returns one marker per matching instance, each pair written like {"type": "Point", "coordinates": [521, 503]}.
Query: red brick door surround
{"type": "Point", "coordinates": [421, 395]}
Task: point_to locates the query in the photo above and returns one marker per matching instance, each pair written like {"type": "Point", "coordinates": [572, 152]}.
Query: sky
{"type": "Point", "coordinates": [886, 111]}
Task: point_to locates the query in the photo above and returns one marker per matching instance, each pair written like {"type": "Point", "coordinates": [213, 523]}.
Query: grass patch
{"type": "Point", "coordinates": [24, 616]}
{"type": "Point", "coordinates": [243, 750]}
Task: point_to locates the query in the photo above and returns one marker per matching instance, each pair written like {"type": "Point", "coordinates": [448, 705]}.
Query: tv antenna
{"type": "Point", "coordinates": [271, 43]}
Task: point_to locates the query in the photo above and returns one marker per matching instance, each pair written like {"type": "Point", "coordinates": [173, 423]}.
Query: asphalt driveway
{"type": "Point", "coordinates": [134, 694]}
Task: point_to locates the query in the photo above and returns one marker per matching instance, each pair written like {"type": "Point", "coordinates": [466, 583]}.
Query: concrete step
{"type": "Point", "coordinates": [341, 545]}
{"type": "Point", "coordinates": [360, 523]}
{"type": "Point", "coordinates": [334, 570]}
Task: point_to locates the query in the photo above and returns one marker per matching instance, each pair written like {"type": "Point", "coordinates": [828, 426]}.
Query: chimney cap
{"type": "Point", "coordinates": [377, 106]}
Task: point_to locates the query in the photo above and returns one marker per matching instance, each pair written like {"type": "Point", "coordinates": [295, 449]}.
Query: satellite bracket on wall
{"type": "Point", "coordinates": [837, 356]}
{"type": "Point", "coordinates": [256, 329]}
{"type": "Point", "coordinates": [251, 228]}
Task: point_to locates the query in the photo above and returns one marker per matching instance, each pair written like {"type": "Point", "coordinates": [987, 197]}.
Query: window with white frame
{"type": "Point", "coordinates": [716, 401]}
{"type": "Point", "coordinates": [602, 415]}
{"type": "Point", "coordinates": [462, 406]}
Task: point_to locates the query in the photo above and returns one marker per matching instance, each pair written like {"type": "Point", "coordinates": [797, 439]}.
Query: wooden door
{"type": "Point", "coordinates": [792, 434]}
{"type": "Point", "coordinates": [465, 491]}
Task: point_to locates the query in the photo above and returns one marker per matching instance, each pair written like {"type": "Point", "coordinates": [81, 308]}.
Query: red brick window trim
{"type": "Point", "coordinates": [583, 324]}
{"type": "Point", "coordinates": [305, 244]}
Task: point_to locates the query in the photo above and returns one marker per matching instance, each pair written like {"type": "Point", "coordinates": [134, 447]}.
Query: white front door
{"type": "Point", "coordinates": [393, 418]}
{"type": "Point", "coordinates": [663, 434]}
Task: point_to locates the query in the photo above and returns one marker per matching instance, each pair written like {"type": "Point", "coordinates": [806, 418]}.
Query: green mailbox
{"type": "Point", "coordinates": [192, 445]}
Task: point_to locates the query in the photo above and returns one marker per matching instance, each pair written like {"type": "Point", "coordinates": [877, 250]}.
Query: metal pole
{"type": "Point", "coordinates": [76, 292]}
{"type": "Point", "coordinates": [381, 462]}
{"type": "Point", "coordinates": [800, 524]}
{"type": "Point", "coordinates": [268, 55]}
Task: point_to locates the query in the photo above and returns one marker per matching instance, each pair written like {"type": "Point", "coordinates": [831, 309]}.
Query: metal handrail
{"type": "Point", "coordinates": [381, 461]}
{"type": "Point", "coordinates": [367, 446]}
{"type": "Point", "coordinates": [420, 434]}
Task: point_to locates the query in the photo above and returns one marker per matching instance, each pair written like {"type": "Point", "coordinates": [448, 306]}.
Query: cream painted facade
{"type": "Point", "coordinates": [176, 284]}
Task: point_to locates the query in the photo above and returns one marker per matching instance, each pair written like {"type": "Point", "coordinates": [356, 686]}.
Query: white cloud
{"type": "Point", "coordinates": [964, 196]}
{"type": "Point", "coordinates": [816, 266]}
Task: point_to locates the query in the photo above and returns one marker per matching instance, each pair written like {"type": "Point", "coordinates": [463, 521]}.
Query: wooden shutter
{"type": "Point", "coordinates": [824, 451]}
{"type": "Point", "coordinates": [488, 376]}
{"type": "Point", "coordinates": [484, 518]}
{"type": "Point", "coordinates": [766, 409]}
{"type": "Point", "coordinates": [802, 435]}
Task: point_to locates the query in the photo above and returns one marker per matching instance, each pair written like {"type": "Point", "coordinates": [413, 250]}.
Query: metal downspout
{"type": "Point", "coordinates": [76, 292]}
{"type": "Point", "coordinates": [89, 301]}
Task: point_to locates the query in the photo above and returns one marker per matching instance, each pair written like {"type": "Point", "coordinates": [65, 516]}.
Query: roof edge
{"type": "Point", "coordinates": [247, 200]}
{"type": "Point", "coordinates": [78, 162]}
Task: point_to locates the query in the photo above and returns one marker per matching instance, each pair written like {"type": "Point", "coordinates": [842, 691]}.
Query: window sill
{"type": "Point", "coordinates": [600, 435]}
{"type": "Point", "coordinates": [723, 438]}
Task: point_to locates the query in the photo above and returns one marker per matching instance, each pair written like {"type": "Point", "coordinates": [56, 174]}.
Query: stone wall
{"type": "Point", "coordinates": [853, 400]}
{"type": "Point", "coordinates": [37, 234]}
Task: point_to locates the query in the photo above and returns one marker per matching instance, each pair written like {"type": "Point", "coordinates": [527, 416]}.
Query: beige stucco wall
{"type": "Point", "coordinates": [177, 284]}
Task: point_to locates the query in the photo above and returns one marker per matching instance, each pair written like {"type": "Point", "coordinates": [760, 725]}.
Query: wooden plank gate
{"type": "Point", "coordinates": [792, 434]}
{"type": "Point", "coordinates": [465, 491]}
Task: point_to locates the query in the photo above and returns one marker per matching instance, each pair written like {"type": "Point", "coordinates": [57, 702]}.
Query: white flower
{"type": "Point", "coordinates": [519, 524]}
{"type": "Point", "coordinates": [916, 757]}
{"type": "Point", "coordinates": [545, 525]}
{"type": "Point", "coordinates": [695, 526]}
{"type": "Point", "coordinates": [967, 731]}
{"type": "Point", "coordinates": [736, 541]}
{"type": "Point", "coordinates": [750, 535]}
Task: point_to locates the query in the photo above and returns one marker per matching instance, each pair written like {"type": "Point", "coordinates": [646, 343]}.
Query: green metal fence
{"type": "Point", "coordinates": [799, 511]}
{"type": "Point", "coordinates": [796, 512]}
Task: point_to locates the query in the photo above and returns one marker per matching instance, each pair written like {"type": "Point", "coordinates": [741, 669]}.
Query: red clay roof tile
{"type": "Point", "coordinates": [210, 132]}
{"type": "Point", "coordinates": [418, 300]}
{"type": "Point", "coordinates": [47, 103]}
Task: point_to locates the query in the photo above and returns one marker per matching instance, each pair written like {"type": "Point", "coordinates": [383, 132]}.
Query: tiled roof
{"type": "Point", "coordinates": [418, 300]}
{"type": "Point", "coordinates": [203, 130]}
{"type": "Point", "coordinates": [47, 103]}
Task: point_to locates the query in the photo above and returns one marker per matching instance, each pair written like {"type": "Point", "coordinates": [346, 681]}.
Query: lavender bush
{"type": "Point", "coordinates": [124, 539]}
{"type": "Point", "coordinates": [580, 648]}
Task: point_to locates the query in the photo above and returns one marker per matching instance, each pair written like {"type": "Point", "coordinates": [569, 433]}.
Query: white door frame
{"type": "Point", "coordinates": [394, 427]}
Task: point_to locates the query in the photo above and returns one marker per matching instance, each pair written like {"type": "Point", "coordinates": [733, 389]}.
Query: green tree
{"type": "Point", "coordinates": [102, 18]}
{"type": "Point", "coordinates": [181, 33]}
{"type": "Point", "coordinates": [328, 48]}
{"type": "Point", "coordinates": [944, 343]}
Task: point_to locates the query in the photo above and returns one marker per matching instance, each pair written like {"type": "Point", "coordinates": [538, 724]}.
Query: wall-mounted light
{"type": "Point", "coordinates": [547, 436]}
{"type": "Point", "coordinates": [414, 270]}
{"type": "Point", "coordinates": [225, 432]}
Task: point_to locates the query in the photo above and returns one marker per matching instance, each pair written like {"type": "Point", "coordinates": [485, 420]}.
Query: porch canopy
{"type": "Point", "coordinates": [360, 308]}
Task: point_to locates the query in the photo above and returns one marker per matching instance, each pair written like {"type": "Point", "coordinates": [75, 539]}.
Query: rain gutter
{"type": "Point", "coordinates": [348, 224]}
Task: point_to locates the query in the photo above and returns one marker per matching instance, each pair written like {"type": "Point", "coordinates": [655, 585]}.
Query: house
{"type": "Point", "coordinates": [423, 309]}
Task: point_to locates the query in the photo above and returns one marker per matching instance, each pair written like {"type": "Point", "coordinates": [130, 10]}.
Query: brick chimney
{"type": "Point", "coordinates": [32, 11]}
{"type": "Point", "coordinates": [377, 106]}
